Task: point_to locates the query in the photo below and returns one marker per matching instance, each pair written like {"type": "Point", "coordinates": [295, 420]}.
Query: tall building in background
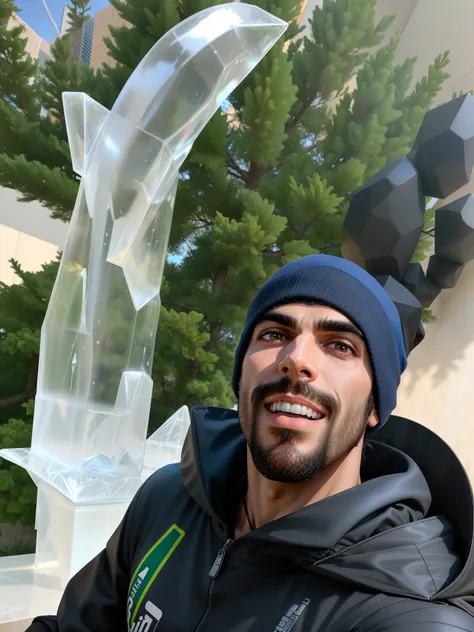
{"type": "Point", "coordinates": [82, 42]}
{"type": "Point", "coordinates": [103, 20]}
{"type": "Point", "coordinates": [36, 46]}
{"type": "Point", "coordinates": [65, 21]}
{"type": "Point", "coordinates": [88, 41]}
{"type": "Point", "coordinates": [81, 37]}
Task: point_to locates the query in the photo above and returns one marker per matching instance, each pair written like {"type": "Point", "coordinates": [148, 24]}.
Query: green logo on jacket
{"type": "Point", "coordinates": [149, 568]}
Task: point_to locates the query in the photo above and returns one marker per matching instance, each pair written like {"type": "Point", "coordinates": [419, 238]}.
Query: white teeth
{"type": "Point", "coordinates": [296, 409]}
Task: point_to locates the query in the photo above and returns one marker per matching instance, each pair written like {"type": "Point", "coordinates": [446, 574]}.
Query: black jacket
{"type": "Point", "coordinates": [394, 554]}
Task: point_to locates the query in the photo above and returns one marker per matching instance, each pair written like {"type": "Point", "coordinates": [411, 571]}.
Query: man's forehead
{"type": "Point", "coordinates": [311, 311]}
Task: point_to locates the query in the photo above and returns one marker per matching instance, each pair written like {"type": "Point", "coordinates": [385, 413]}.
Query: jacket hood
{"type": "Point", "coordinates": [406, 530]}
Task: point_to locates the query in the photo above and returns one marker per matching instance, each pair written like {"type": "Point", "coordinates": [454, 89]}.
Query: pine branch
{"type": "Point", "coordinates": [181, 13]}
{"type": "Point", "coordinates": [17, 399]}
{"type": "Point", "coordinates": [291, 125]}
{"type": "Point", "coordinates": [237, 175]}
{"type": "Point", "coordinates": [233, 165]}
{"type": "Point", "coordinates": [255, 174]}
{"type": "Point", "coordinates": [327, 247]}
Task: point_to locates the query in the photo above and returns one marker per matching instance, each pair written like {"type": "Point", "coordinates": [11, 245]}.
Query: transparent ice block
{"type": "Point", "coordinates": [97, 342]}
{"type": "Point", "coordinates": [165, 445]}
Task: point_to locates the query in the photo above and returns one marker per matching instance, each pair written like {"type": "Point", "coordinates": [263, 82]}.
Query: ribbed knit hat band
{"type": "Point", "coordinates": [349, 289]}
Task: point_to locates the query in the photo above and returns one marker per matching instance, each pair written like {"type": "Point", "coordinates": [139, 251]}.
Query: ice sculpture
{"type": "Point", "coordinates": [165, 445]}
{"type": "Point", "coordinates": [97, 342]}
{"type": "Point", "coordinates": [94, 386]}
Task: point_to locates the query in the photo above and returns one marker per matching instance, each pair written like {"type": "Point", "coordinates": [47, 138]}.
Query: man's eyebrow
{"type": "Point", "coordinates": [280, 319]}
{"type": "Point", "coordinates": [338, 326]}
{"type": "Point", "coordinates": [328, 325]}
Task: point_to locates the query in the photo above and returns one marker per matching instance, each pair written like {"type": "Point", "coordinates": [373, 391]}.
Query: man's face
{"type": "Point", "coordinates": [306, 391]}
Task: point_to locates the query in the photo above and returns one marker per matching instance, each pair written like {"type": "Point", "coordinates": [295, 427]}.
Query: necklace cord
{"type": "Point", "coordinates": [252, 528]}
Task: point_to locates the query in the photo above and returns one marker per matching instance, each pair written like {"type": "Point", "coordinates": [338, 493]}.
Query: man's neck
{"type": "Point", "coordinates": [269, 500]}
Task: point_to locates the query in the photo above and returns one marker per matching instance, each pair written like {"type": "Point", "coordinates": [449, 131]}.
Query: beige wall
{"type": "Point", "coordinates": [403, 9]}
{"type": "Point", "coordinates": [438, 25]}
{"type": "Point", "coordinates": [429, 27]}
{"type": "Point", "coordinates": [34, 41]}
{"type": "Point", "coordinates": [103, 19]}
{"type": "Point", "coordinates": [437, 389]}
{"type": "Point", "coordinates": [28, 234]}
{"type": "Point", "coordinates": [28, 250]}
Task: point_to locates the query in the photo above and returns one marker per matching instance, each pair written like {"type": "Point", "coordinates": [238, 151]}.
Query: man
{"type": "Point", "coordinates": [290, 516]}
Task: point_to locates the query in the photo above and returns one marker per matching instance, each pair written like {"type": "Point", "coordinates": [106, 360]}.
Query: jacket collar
{"type": "Point", "coordinates": [407, 467]}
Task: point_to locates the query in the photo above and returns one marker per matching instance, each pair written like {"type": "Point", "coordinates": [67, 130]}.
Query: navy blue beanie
{"type": "Point", "coordinates": [349, 289]}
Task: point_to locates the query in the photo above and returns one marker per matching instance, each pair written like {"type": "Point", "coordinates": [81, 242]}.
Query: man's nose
{"type": "Point", "coordinates": [302, 359]}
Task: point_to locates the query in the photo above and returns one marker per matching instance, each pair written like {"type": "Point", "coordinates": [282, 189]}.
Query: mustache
{"type": "Point", "coordinates": [300, 388]}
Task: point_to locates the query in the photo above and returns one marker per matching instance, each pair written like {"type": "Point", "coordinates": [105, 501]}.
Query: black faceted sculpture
{"type": "Point", "coordinates": [443, 272]}
{"type": "Point", "coordinates": [385, 220]}
{"type": "Point", "coordinates": [409, 309]}
{"type": "Point", "coordinates": [454, 230]}
{"type": "Point", "coordinates": [443, 152]}
{"type": "Point", "coordinates": [422, 288]}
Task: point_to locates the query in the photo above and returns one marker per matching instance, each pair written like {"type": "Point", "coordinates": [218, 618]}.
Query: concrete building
{"type": "Point", "coordinates": [81, 37]}
{"type": "Point", "coordinates": [65, 21]}
{"type": "Point", "coordinates": [88, 41]}
{"type": "Point", "coordinates": [36, 46]}
{"type": "Point", "coordinates": [109, 16]}
{"type": "Point", "coordinates": [82, 42]}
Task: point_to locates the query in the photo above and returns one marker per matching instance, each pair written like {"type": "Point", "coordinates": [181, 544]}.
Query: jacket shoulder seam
{"type": "Point", "coordinates": [432, 619]}
{"type": "Point", "coordinates": [427, 567]}
{"type": "Point", "coordinates": [371, 614]}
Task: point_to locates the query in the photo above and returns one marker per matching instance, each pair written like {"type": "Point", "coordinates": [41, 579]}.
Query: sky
{"type": "Point", "coordinates": [34, 14]}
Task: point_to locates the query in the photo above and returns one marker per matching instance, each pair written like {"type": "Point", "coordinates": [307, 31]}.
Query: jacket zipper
{"type": "Point", "coordinates": [213, 573]}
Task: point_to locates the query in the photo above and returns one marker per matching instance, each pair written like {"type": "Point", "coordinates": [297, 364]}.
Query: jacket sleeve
{"type": "Point", "coordinates": [424, 617]}
{"type": "Point", "coordinates": [95, 599]}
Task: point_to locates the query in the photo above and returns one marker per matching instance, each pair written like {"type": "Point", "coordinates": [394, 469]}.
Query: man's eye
{"type": "Point", "coordinates": [272, 336]}
{"type": "Point", "coordinates": [342, 347]}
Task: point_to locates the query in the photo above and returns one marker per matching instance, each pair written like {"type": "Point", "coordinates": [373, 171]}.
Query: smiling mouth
{"type": "Point", "coordinates": [296, 411]}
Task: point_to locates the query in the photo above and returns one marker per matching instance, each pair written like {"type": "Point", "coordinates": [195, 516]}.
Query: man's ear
{"type": "Point", "coordinates": [373, 419]}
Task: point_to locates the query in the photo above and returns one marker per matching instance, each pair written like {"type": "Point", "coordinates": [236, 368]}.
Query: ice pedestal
{"type": "Point", "coordinates": [70, 531]}
{"type": "Point", "coordinates": [69, 535]}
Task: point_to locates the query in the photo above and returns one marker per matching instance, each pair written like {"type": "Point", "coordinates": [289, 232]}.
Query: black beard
{"type": "Point", "coordinates": [283, 462]}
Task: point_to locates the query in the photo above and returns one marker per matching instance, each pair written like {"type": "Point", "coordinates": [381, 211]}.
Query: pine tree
{"type": "Point", "coordinates": [34, 160]}
{"type": "Point", "coordinates": [268, 180]}
{"type": "Point", "coordinates": [78, 14]}
{"type": "Point", "coordinates": [34, 153]}
{"type": "Point", "coordinates": [22, 310]}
